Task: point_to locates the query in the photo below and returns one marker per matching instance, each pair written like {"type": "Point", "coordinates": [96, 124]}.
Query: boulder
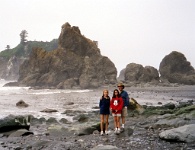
{"type": "Point", "coordinates": [175, 122]}
{"type": "Point", "coordinates": [20, 132]}
{"type": "Point", "coordinates": [134, 105]}
{"type": "Point", "coordinates": [51, 120]}
{"type": "Point", "coordinates": [138, 73]}
{"type": "Point", "coordinates": [181, 134]}
{"type": "Point", "coordinates": [169, 106]}
{"type": "Point", "coordinates": [85, 129]}
{"type": "Point", "coordinates": [11, 123]}
{"type": "Point", "coordinates": [105, 147]}
{"type": "Point", "coordinates": [21, 103]}
{"type": "Point", "coordinates": [48, 110]}
{"type": "Point", "coordinates": [57, 130]}
{"type": "Point", "coordinates": [176, 69]}
{"type": "Point", "coordinates": [34, 121]}
{"type": "Point", "coordinates": [76, 62]}
{"type": "Point", "coordinates": [68, 103]}
{"type": "Point", "coordinates": [81, 118]}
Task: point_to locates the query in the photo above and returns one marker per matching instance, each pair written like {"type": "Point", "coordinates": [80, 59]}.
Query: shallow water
{"type": "Point", "coordinates": [41, 99]}
{"type": "Point", "coordinates": [83, 99]}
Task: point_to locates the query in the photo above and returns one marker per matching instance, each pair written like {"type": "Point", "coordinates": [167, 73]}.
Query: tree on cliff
{"type": "Point", "coordinates": [7, 47]}
{"type": "Point", "coordinates": [23, 36]}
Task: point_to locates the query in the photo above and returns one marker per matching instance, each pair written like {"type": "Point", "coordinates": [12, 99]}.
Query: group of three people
{"type": "Point", "coordinates": [118, 107]}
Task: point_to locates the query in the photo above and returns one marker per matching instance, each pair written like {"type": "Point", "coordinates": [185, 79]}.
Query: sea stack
{"type": "Point", "coordinates": [77, 62]}
{"type": "Point", "coordinates": [176, 69]}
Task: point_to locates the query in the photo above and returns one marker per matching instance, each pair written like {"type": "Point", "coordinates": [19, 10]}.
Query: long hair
{"type": "Point", "coordinates": [114, 96]}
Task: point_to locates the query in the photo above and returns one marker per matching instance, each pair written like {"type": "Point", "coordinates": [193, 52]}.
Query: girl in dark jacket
{"type": "Point", "coordinates": [116, 105]}
{"type": "Point", "coordinates": [104, 105]}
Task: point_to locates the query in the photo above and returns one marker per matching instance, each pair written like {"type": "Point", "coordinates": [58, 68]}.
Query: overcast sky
{"type": "Point", "coordinates": [140, 31]}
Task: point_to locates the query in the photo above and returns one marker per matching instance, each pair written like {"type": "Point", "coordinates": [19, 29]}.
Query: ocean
{"type": "Point", "coordinates": [43, 98]}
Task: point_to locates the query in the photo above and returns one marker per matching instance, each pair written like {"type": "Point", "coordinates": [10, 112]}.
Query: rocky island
{"type": "Point", "coordinates": [77, 62]}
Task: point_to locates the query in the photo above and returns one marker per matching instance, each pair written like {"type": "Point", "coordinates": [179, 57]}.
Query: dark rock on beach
{"type": "Point", "coordinates": [176, 69]}
{"type": "Point", "coordinates": [11, 123]}
{"type": "Point", "coordinates": [21, 103]}
{"type": "Point", "coordinates": [76, 62]}
{"type": "Point", "coordinates": [48, 110]}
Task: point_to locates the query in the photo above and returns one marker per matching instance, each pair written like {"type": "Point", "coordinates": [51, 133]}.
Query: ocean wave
{"type": "Point", "coordinates": [45, 92]}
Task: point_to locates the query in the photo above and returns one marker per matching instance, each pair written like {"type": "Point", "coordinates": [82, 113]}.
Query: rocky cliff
{"type": "Point", "coordinates": [76, 62]}
{"type": "Point", "coordinates": [11, 59]}
{"type": "Point", "coordinates": [3, 63]}
{"type": "Point", "coordinates": [137, 73]}
{"type": "Point", "coordinates": [121, 76]}
{"type": "Point", "coordinates": [176, 69]}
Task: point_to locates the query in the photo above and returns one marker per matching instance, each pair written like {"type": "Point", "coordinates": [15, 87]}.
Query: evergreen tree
{"type": "Point", "coordinates": [23, 36]}
{"type": "Point", "coordinates": [7, 47]}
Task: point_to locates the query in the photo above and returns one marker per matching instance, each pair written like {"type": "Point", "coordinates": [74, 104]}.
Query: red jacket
{"type": "Point", "coordinates": [116, 104]}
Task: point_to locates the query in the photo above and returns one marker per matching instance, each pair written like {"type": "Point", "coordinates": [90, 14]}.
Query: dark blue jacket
{"type": "Point", "coordinates": [104, 105]}
{"type": "Point", "coordinates": [125, 97]}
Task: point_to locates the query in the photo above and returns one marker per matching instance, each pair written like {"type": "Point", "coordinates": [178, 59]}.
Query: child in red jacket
{"type": "Point", "coordinates": [116, 105]}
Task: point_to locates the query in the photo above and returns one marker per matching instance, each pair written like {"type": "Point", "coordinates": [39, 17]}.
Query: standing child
{"type": "Point", "coordinates": [104, 105]}
{"type": "Point", "coordinates": [116, 106]}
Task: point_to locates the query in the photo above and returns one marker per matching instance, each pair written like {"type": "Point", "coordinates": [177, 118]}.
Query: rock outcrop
{"type": "Point", "coordinates": [11, 70]}
{"type": "Point", "coordinates": [11, 123]}
{"type": "Point", "coordinates": [181, 134]}
{"type": "Point", "coordinates": [76, 62]}
{"type": "Point", "coordinates": [176, 69]}
{"type": "Point", "coordinates": [3, 64]}
{"type": "Point", "coordinates": [122, 75]}
{"type": "Point", "coordinates": [138, 73]}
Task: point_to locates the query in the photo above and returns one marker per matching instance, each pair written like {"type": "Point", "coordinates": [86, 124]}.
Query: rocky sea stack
{"type": "Point", "coordinates": [175, 68]}
{"type": "Point", "coordinates": [136, 73]}
{"type": "Point", "coordinates": [76, 62]}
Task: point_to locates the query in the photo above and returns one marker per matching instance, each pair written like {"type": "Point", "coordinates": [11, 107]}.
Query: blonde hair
{"type": "Point", "coordinates": [105, 90]}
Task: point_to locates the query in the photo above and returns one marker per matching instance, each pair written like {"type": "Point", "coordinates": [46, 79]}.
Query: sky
{"type": "Point", "coordinates": [139, 31]}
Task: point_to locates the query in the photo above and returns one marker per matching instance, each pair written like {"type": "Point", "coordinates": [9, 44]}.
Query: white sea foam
{"type": "Point", "coordinates": [48, 91]}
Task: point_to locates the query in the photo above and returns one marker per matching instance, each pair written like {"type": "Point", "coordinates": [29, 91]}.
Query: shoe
{"type": "Point", "coordinates": [118, 131]}
{"type": "Point", "coordinates": [115, 131]}
{"type": "Point", "coordinates": [101, 133]}
{"type": "Point", "coordinates": [106, 132]}
{"type": "Point", "coordinates": [123, 126]}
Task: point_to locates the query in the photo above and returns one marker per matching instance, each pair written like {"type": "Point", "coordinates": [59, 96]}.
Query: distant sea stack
{"type": "Point", "coordinates": [136, 73]}
{"type": "Point", "coordinates": [176, 69]}
{"type": "Point", "coordinates": [77, 62]}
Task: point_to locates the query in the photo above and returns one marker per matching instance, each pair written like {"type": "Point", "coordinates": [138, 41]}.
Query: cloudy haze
{"type": "Point", "coordinates": [140, 31]}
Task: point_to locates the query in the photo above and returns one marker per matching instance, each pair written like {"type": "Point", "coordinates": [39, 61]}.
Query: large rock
{"type": "Point", "coordinates": [182, 134]}
{"type": "Point", "coordinates": [21, 103]}
{"type": "Point", "coordinates": [176, 69]}
{"type": "Point", "coordinates": [122, 75]}
{"type": "Point", "coordinates": [11, 123]}
{"type": "Point", "coordinates": [76, 62]}
{"type": "Point", "coordinates": [138, 73]}
{"type": "Point", "coordinates": [105, 147]}
{"type": "Point", "coordinates": [11, 72]}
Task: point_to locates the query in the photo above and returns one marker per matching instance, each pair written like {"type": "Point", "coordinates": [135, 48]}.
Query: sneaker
{"type": "Point", "coordinates": [123, 126]}
{"type": "Point", "coordinates": [106, 132]}
{"type": "Point", "coordinates": [115, 131]}
{"type": "Point", "coordinates": [118, 131]}
{"type": "Point", "coordinates": [101, 133]}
